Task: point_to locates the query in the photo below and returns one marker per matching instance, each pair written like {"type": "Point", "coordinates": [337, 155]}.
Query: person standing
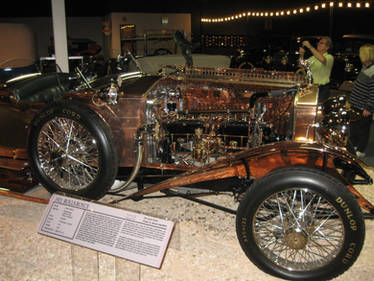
{"type": "Point", "coordinates": [362, 101]}
{"type": "Point", "coordinates": [321, 65]}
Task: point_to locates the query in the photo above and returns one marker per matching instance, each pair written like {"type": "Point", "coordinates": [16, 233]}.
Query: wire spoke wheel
{"type": "Point", "coordinates": [298, 229]}
{"type": "Point", "coordinates": [72, 150]}
{"type": "Point", "coordinates": [300, 223]}
{"type": "Point", "coordinates": [68, 153]}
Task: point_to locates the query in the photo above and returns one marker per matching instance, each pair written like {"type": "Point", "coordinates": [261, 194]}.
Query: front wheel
{"type": "Point", "coordinates": [300, 224]}
{"type": "Point", "coordinates": [71, 150]}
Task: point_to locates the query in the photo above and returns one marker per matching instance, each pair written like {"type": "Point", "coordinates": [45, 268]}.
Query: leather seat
{"type": "Point", "coordinates": [46, 88]}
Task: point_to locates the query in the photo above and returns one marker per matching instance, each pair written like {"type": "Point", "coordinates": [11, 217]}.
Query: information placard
{"type": "Point", "coordinates": [114, 231]}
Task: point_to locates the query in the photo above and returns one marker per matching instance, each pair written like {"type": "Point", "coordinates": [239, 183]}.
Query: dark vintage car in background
{"type": "Point", "coordinates": [257, 135]}
{"type": "Point", "coordinates": [281, 52]}
{"type": "Point", "coordinates": [270, 52]}
{"type": "Point", "coordinates": [346, 52]}
{"type": "Point", "coordinates": [78, 47]}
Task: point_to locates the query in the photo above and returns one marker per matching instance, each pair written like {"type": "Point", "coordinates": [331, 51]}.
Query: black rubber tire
{"type": "Point", "coordinates": [246, 65]}
{"type": "Point", "coordinates": [106, 164]}
{"type": "Point", "coordinates": [162, 52]}
{"type": "Point", "coordinates": [330, 189]}
{"type": "Point", "coordinates": [301, 72]}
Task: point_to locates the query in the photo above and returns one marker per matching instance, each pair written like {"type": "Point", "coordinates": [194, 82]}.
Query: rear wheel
{"type": "Point", "coordinates": [301, 72]}
{"type": "Point", "coordinates": [71, 150]}
{"type": "Point", "coordinates": [246, 65]}
{"type": "Point", "coordinates": [300, 224]}
{"type": "Point", "coordinates": [161, 52]}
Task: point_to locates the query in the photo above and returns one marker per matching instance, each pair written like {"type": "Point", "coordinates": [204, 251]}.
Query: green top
{"type": "Point", "coordinates": [320, 72]}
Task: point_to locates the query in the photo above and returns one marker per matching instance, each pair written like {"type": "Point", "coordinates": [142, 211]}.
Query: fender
{"type": "Point", "coordinates": [256, 162]}
{"type": "Point", "coordinates": [264, 159]}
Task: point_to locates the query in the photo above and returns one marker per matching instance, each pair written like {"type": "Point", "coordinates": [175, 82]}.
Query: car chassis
{"type": "Point", "coordinates": [260, 135]}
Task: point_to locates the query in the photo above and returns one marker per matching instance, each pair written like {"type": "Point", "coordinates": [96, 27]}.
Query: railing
{"type": "Point", "coordinates": [252, 76]}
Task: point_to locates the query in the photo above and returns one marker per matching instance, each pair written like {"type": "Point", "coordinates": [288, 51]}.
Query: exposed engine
{"type": "Point", "coordinates": [197, 124]}
{"type": "Point", "coordinates": [193, 121]}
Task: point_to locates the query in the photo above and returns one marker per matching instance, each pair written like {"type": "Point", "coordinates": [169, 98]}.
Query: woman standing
{"type": "Point", "coordinates": [362, 100]}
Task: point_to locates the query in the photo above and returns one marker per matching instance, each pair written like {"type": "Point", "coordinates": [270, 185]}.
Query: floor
{"type": "Point", "coordinates": [203, 245]}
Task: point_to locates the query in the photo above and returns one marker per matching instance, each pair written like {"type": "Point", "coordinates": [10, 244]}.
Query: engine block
{"type": "Point", "coordinates": [196, 122]}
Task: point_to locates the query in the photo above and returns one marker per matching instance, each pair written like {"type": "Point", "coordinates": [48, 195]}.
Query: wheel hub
{"type": "Point", "coordinates": [296, 240]}
{"type": "Point", "coordinates": [57, 158]}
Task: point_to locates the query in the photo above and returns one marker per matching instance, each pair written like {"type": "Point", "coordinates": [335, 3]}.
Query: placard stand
{"type": "Point", "coordinates": [114, 231]}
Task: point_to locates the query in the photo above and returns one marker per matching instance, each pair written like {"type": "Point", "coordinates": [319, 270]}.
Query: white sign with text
{"type": "Point", "coordinates": [114, 231]}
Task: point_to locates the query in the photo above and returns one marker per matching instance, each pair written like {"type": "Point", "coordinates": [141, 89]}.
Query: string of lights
{"type": "Point", "coordinates": [289, 12]}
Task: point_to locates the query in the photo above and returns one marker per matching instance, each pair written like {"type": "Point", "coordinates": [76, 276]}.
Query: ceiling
{"type": "Point", "coordinates": [28, 8]}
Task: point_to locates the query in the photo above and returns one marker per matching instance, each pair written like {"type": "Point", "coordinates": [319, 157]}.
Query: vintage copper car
{"type": "Point", "coordinates": [259, 135]}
